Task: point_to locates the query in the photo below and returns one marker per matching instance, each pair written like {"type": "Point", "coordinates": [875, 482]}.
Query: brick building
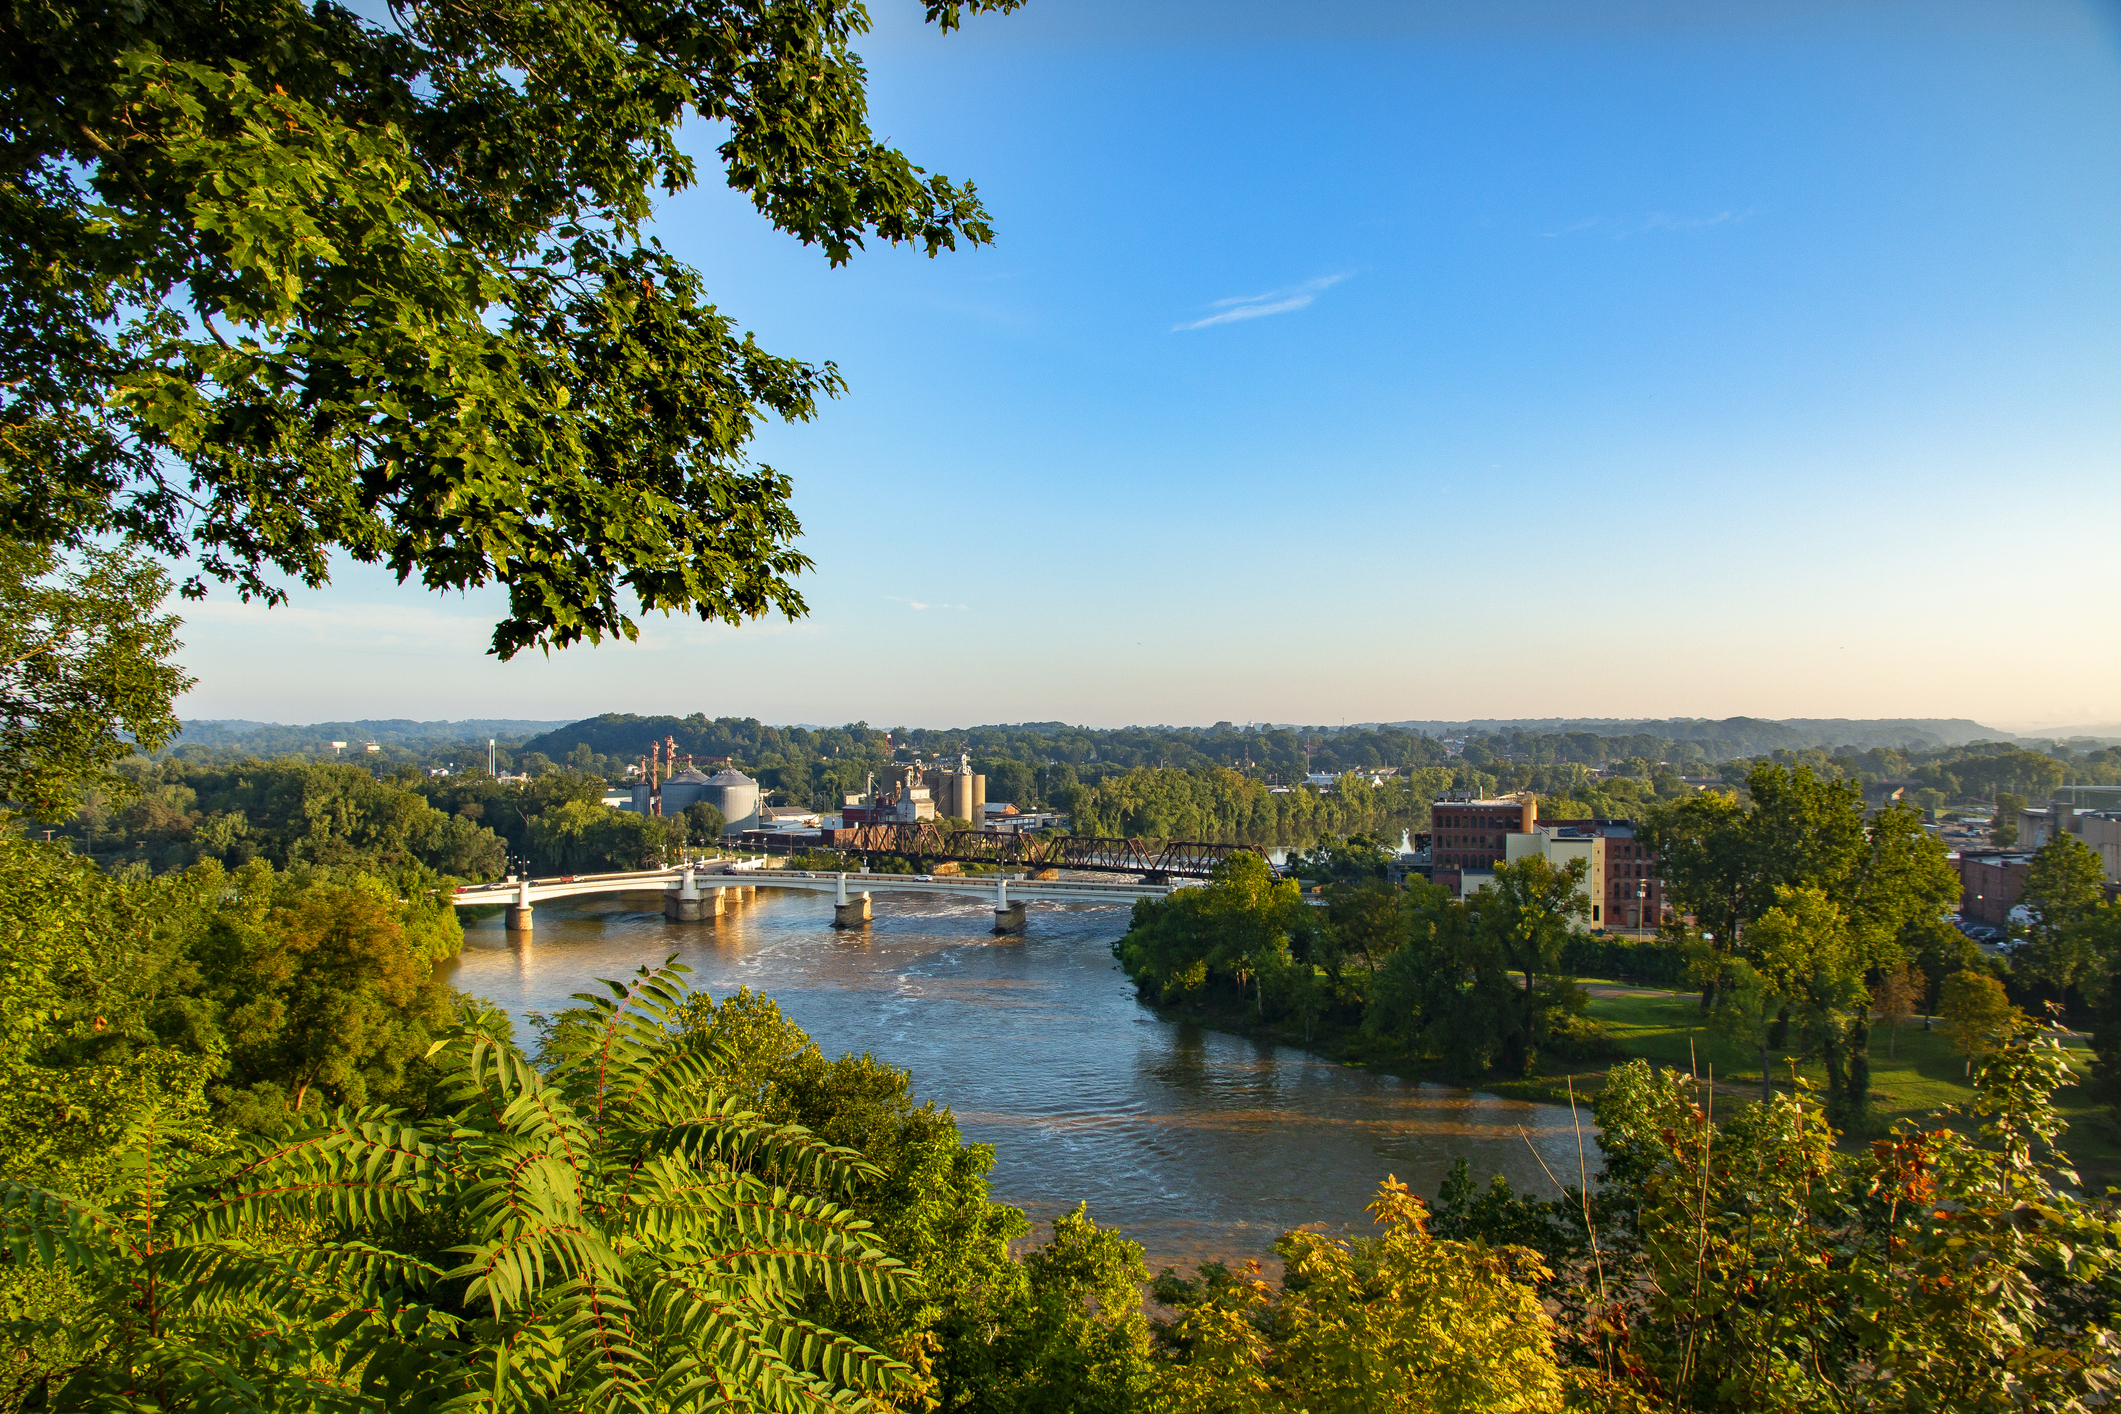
{"type": "Point", "coordinates": [1474, 834]}
{"type": "Point", "coordinates": [1990, 881]}
{"type": "Point", "coordinates": [1622, 884]}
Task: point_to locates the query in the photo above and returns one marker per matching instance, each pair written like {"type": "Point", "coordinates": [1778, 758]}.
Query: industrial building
{"type": "Point", "coordinates": [2100, 830]}
{"type": "Point", "coordinates": [729, 790]}
{"type": "Point", "coordinates": [907, 792]}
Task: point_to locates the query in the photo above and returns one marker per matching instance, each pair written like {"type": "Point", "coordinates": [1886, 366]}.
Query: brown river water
{"type": "Point", "coordinates": [1196, 1143]}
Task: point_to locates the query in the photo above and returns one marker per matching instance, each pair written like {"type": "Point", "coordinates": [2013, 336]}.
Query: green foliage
{"type": "Point", "coordinates": [1226, 933]}
{"type": "Point", "coordinates": [1839, 893]}
{"type": "Point", "coordinates": [1067, 1335]}
{"type": "Point", "coordinates": [1526, 916]}
{"type": "Point", "coordinates": [290, 814]}
{"type": "Point", "coordinates": [1763, 1270]}
{"type": "Point", "coordinates": [582, 837]}
{"type": "Point", "coordinates": [261, 990]}
{"type": "Point", "coordinates": [1219, 804]}
{"type": "Point", "coordinates": [1337, 860]}
{"type": "Point", "coordinates": [285, 282]}
{"type": "Point", "coordinates": [1661, 960]}
{"type": "Point", "coordinates": [1474, 984]}
{"type": "Point", "coordinates": [1404, 1320]}
{"type": "Point", "coordinates": [2065, 887]}
{"type": "Point", "coordinates": [84, 671]}
{"type": "Point", "coordinates": [1978, 1016]}
{"type": "Point", "coordinates": [1010, 782]}
{"type": "Point", "coordinates": [703, 823]}
{"type": "Point", "coordinates": [612, 1233]}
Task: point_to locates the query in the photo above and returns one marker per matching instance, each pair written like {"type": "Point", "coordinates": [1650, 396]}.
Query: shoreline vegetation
{"type": "Point", "coordinates": [1812, 955]}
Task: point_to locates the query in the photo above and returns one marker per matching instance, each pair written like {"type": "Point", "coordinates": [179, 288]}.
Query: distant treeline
{"type": "Point", "coordinates": [398, 742]}
{"type": "Point", "coordinates": [1220, 782]}
{"type": "Point", "coordinates": [415, 830]}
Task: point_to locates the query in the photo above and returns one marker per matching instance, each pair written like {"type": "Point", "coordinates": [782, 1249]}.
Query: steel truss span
{"type": "Point", "coordinates": [1181, 859]}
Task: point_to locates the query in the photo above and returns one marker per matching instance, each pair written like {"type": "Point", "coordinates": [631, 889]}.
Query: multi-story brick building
{"type": "Point", "coordinates": [1474, 834]}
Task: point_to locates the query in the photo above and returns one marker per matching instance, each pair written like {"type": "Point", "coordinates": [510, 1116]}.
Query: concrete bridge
{"type": "Point", "coordinates": [696, 892]}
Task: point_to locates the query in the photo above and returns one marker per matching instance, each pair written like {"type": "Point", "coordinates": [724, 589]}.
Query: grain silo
{"type": "Point", "coordinates": [736, 795]}
{"type": "Point", "coordinates": [683, 789]}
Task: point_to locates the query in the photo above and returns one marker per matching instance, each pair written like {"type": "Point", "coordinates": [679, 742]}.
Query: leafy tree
{"type": "Point", "coordinates": [1242, 919]}
{"type": "Point", "coordinates": [85, 674]}
{"type": "Point", "coordinates": [583, 837]}
{"type": "Point", "coordinates": [1897, 995]}
{"type": "Point", "coordinates": [1977, 1015]}
{"type": "Point", "coordinates": [613, 1233]}
{"type": "Point", "coordinates": [282, 282]}
{"type": "Point", "coordinates": [703, 823]}
{"type": "Point", "coordinates": [2003, 828]}
{"type": "Point", "coordinates": [1770, 1273]}
{"type": "Point", "coordinates": [1012, 782]}
{"type": "Point", "coordinates": [319, 988]}
{"type": "Point", "coordinates": [2063, 885]}
{"type": "Point", "coordinates": [1400, 1321]}
{"type": "Point", "coordinates": [1446, 989]}
{"type": "Point", "coordinates": [1356, 858]}
{"type": "Point", "coordinates": [1811, 966]}
{"type": "Point", "coordinates": [1940, 951]}
{"type": "Point", "coordinates": [1366, 923]}
{"type": "Point", "coordinates": [1528, 914]}
{"type": "Point", "coordinates": [1723, 862]}
{"type": "Point", "coordinates": [1069, 1336]}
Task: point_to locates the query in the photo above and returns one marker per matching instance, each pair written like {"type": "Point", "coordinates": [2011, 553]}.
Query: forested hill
{"type": "Point", "coordinates": [1734, 737]}
{"type": "Point", "coordinates": [1272, 751]}
{"type": "Point", "coordinates": [267, 739]}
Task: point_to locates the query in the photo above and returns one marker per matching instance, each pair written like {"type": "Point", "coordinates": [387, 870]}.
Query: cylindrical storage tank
{"type": "Point", "coordinates": [736, 795]}
{"type": "Point", "coordinates": [683, 789]}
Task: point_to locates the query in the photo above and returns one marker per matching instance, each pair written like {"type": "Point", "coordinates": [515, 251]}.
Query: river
{"type": "Point", "coordinates": [1197, 1143]}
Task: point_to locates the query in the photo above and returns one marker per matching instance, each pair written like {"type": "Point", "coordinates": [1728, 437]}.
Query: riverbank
{"type": "Point", "coordinates": [1912, 1075]}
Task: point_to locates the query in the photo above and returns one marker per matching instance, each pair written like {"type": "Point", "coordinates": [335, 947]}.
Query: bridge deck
{"type": "Point", "coordinates": [1018, 889]}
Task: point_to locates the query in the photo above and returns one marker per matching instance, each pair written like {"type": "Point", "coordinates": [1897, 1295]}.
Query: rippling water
{"type": "Point", "coordinates": [1197, 1143]}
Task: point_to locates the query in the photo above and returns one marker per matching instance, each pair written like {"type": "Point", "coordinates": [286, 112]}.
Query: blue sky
{"type": "Point", "coordinates": [1375, 361]}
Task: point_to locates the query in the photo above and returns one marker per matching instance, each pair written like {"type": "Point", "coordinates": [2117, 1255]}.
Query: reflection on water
{"type": "Point", "coordinates": [1197, 1143]}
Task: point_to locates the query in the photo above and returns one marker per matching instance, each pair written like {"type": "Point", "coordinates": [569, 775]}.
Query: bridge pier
{"type": "Point", "coordinates": [683, 903]}
{"type": "Point", "coordinates": [519, 911]}
{"type": "Point", "coordinates": [852, 915]}
{"type": "Point", "coordinates": [1008, 917]}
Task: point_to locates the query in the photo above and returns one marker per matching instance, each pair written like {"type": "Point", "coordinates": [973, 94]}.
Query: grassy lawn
{"type": "Point", "coordinates": [1910, 1076]}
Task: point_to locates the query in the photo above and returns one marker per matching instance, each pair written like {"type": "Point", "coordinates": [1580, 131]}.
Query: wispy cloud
{"type": "Point", "coordinates": [917, 605]}
{"type": "Point", "coordinates": [1620, 228]}
{"type": "Point", "coordinates": [1281, 301]}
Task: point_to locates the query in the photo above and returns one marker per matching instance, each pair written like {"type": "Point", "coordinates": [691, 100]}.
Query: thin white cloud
{"type": "Point", "coordinates": [917, 605]}
{"type": "Point", "coordinates": [1280, 301]}
{"type": "Point", "coordinates": [1619, 228]}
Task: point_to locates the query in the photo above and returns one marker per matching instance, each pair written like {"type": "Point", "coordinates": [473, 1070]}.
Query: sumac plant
{"type": "Point", "coordinates": [607, 1233]}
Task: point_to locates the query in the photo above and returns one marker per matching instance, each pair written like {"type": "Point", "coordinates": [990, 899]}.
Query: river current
{"type": "Point", "coordinates": [1196, 1143]}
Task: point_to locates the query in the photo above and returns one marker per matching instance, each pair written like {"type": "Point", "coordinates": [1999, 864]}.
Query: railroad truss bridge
{"type": "Point", "coordinates": [1154, 861]}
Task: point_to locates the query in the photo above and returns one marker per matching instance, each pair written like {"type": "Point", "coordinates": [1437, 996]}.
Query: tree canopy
{"type": "Point", "coordinates": [284, 282]}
